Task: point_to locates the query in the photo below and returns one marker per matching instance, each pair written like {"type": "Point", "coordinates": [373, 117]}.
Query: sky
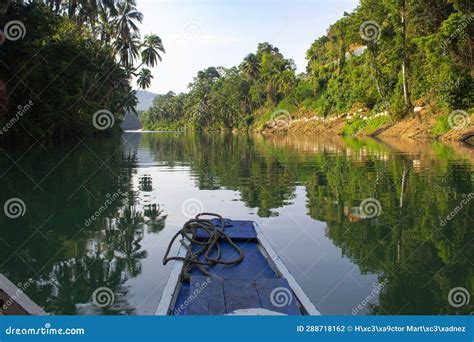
{"type": "Point", "coordinates": [201, 33]}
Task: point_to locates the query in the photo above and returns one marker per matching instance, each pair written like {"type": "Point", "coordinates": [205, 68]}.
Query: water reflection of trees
{"type": "Point", "coordinates": [420, 260]}
{"type": "Point", "coordinates": [66, 258]}
{"type": "Point", "coordinates": [238, 162]}
{"type": "Point", "coordinates": [405, 245]}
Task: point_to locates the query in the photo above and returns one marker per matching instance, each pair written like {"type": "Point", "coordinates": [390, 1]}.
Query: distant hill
{"type": "Point", "coordinates": [145, 99]}
{"type": "Point", "coordinates": [130, 120]}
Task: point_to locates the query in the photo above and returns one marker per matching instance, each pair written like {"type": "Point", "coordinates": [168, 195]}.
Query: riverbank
{"type": "Point", "coordinates": [422, 124]}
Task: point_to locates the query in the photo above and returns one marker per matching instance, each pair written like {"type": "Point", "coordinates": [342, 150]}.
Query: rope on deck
{"type": "Point", "coordinates": [207, 247]}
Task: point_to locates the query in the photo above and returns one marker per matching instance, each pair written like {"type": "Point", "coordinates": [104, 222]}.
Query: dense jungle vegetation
{"type": "Point", "coordinates": [64, 60]}
{"type": "Point", "coordinates": [385, 55]}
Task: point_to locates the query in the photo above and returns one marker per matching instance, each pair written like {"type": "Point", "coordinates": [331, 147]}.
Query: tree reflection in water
{"type": "Point", "coordinates": [417, 185]}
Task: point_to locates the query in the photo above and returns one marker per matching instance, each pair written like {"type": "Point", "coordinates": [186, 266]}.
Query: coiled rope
{"type": "Point", "coordinates": [208, 247]}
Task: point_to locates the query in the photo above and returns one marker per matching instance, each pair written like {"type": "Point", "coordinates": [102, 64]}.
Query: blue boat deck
{"type": "Point", "coordinates": [251, 284]}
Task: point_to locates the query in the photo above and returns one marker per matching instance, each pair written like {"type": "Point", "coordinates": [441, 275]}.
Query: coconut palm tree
{"type": "Point", "coordinates": [127, 16]}
{"type": "Point", "coordinates": [127, 43]}
{"type": "Point", "coordinates": [251, 67]}
{"type": "Point", "coordinates": [127, 48]}
{"type": "Point", "coordinates": [144, 78]}
{"type": "Point", "coordinates": [152, 45]}
{"type": "Point", "coordinates": [106, 29]}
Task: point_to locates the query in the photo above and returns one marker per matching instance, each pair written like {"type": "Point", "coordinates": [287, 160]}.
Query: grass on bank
{"type": "Point", "coordinates": [365, 127]}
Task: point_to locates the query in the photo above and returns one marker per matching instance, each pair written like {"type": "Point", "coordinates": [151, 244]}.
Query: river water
{"type": "Point", "coordinates": [365, 226]}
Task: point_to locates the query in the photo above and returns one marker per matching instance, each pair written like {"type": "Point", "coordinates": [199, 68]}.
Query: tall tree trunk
{"type": "Point", "coordinates": [406, 90]}
{"type": "Point", "coordinates": [377, 72]}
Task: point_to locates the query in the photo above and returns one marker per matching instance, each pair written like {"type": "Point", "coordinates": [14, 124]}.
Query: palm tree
{"type": "Point", "coordinates": [127, 49]}
{"type": "Point", "coordinates": [151, 53]}
{"type": "Point", "coordinates": [251, 67]}
{"type": "Point", "coordinates": [88, 12]}
{"type": "Point", "coordinates": [144, 78]}
{"type": "Point", "coordinates": [106, 28]}
{"type": "Point", "coordinates": [127, 15]}
{"type": "Point", "coordinates": [127, 42]}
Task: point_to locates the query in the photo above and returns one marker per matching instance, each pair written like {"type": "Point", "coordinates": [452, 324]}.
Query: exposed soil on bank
{"type": "Point", "coordinates": [419, 125]}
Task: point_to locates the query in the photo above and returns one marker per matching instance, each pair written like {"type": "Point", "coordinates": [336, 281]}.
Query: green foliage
{"type": "Point", "coordinates": [353, 127]}
{"type": "Point", "coordinates": [368, 127]}
{"type": "Point", "coordinates": [74, 61]}
{"type": "Point", "coordinates": [374, 124]}
{"type": "Point", "coordinates": [221, 98]}
{"type": "Point", "coordinates": [439, 58]}
{"type": "Point", "coordinates": [441, 126]}
{"type": "Point", "coordinates": [345, 68]}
